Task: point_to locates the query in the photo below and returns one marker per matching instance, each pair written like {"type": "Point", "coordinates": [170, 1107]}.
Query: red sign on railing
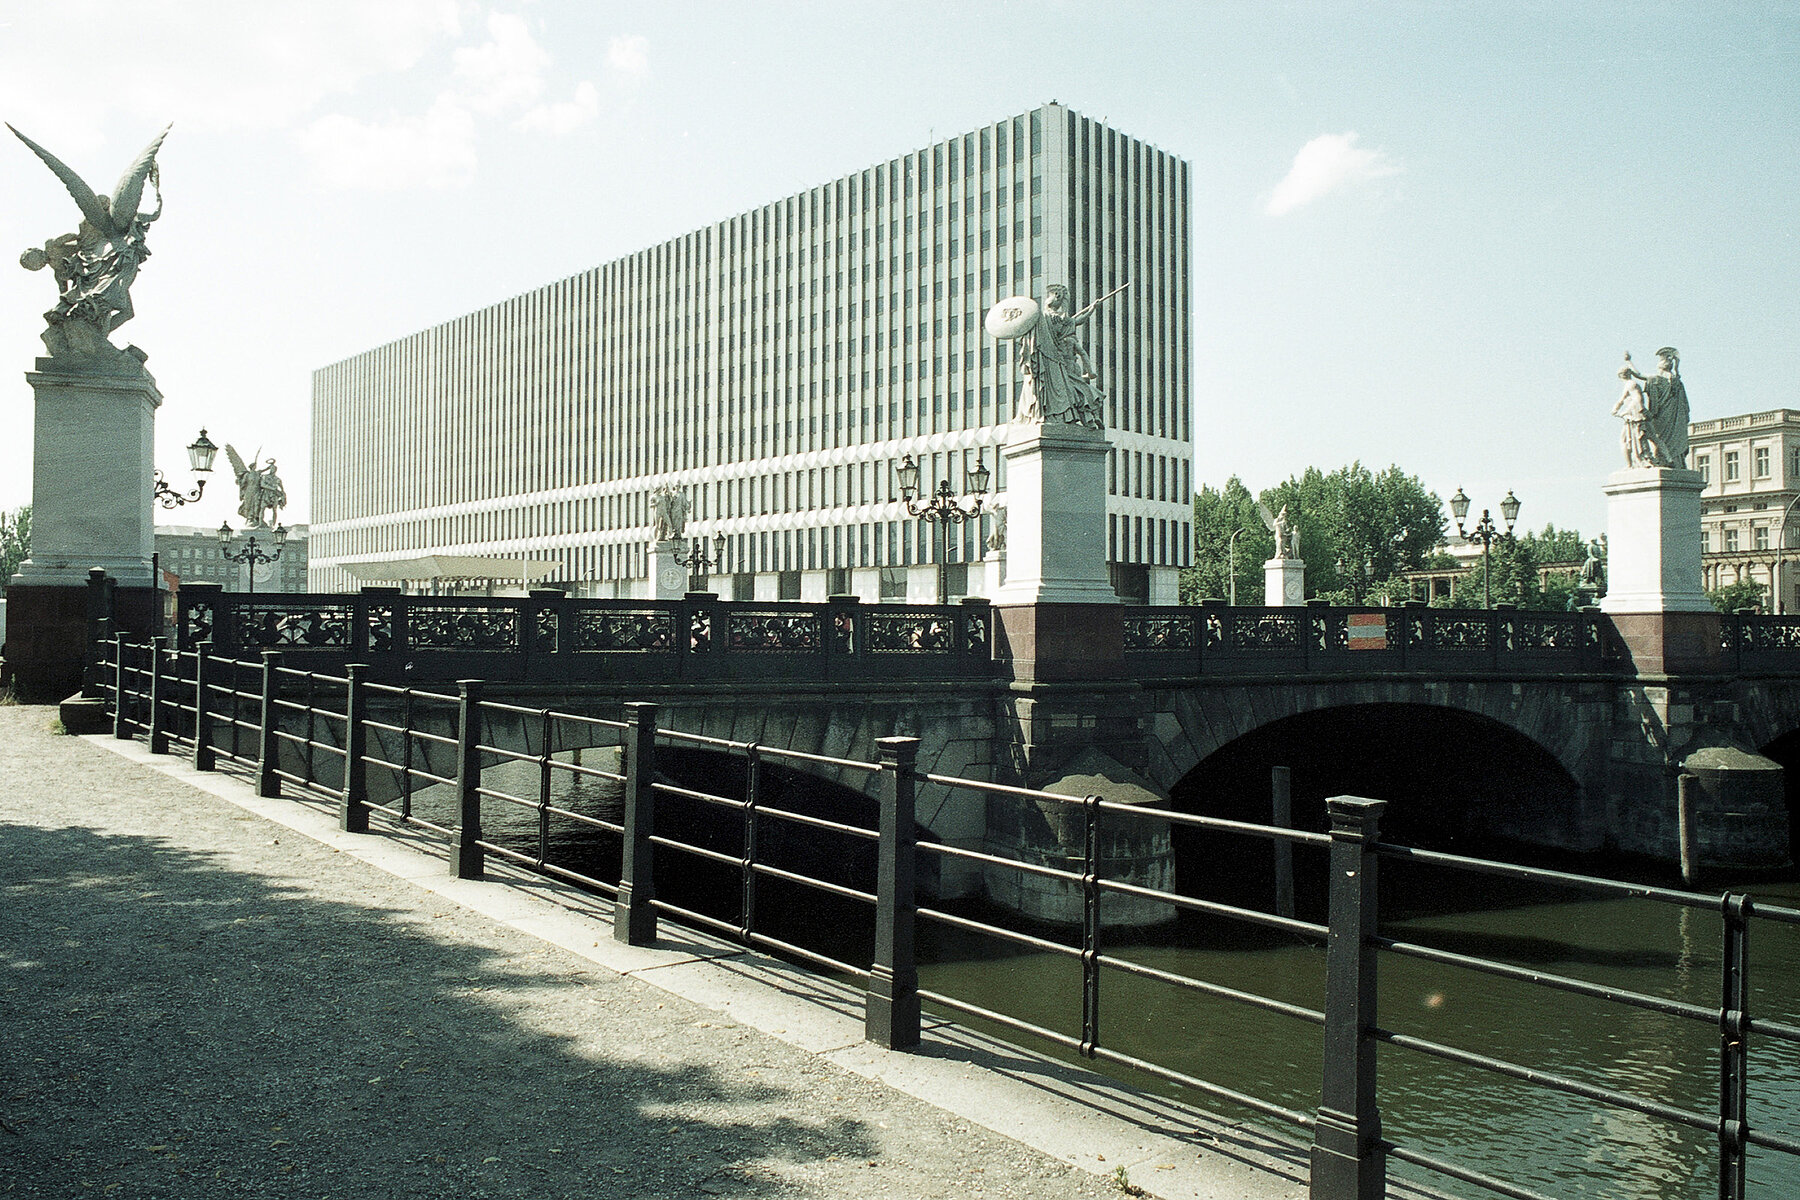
{"type": "Point", "coordinates": [1368, 631]}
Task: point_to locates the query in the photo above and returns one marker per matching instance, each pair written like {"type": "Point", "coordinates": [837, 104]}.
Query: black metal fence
{"type": "Point", "coordinates": [339, 737]}
{"type": "Point", "coordinates": [551, 637]}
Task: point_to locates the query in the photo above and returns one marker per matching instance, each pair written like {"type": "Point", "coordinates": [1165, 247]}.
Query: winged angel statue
{"type": "Point", "coordinates": [1287, 534]}
{"type": "Point", "coordinates": [95, 266]}
{"type": "Point", "coordinates": [260, 491]}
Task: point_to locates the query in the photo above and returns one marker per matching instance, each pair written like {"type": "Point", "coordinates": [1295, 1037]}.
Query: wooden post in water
{"type": "Point", "coordinates": [1281, 790]}
{"type": "Point", "coordinates": [1688, 827]}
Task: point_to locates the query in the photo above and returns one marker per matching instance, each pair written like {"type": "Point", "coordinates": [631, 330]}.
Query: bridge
{"type": "Point", "coordinates": [1161, 704]}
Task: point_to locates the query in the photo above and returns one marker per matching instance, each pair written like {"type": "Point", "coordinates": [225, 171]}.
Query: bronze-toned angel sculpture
{"type": "Point", "coordinates": [95, 266]}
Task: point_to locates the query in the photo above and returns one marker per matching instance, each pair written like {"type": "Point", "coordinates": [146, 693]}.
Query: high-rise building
{"type": "Point", "coordinates": [777, 366]}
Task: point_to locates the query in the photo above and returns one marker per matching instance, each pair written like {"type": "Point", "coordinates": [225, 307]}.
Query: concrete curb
{"type": "Point", "coordinates": [1083, 1119]}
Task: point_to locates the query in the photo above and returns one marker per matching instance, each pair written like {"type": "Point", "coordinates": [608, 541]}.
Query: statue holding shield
{"type": "Point", "coordinates": [1061, 383]}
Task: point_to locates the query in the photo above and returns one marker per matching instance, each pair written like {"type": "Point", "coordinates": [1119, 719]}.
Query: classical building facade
{"type": "Point", "coordinates": [777, 366]}
{"type": "Point", "coordinates": [190, 554]}
{"type": "Point", "coordinates": [1748, 530]}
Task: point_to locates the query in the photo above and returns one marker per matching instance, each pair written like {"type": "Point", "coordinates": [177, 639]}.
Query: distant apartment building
{"type": "Point", "coordinates": [777, 366]}
{"type": "Point", "coordinates": [189, 554]}
{"type": "Point", "coordinates": [1748, 530]}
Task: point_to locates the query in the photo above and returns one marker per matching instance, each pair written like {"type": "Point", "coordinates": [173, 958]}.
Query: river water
{"type": "Point", "coordinates": [1558, 1145]}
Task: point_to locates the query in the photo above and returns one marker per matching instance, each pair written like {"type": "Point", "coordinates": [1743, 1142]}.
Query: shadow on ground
{"type": "Point", "coordinates": [176, 1027]}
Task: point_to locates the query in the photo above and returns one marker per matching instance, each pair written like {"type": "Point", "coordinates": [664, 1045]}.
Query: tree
{"type": "Point", "coordinates": [1745, 593]}
{"type": "Point", "coordinates": [1360, 529]}
{"type": "Point", "coordinates": [15, 541]}
{"type": "Point", "coordinates": [1218, 514]}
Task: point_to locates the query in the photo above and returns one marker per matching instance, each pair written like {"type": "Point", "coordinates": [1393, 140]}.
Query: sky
{"type": "Point", "coordinates": [1423, 234]}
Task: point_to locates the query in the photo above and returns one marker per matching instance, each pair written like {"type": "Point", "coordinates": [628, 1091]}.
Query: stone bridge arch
{"type": "Point", "coordinates": [1567, 723]}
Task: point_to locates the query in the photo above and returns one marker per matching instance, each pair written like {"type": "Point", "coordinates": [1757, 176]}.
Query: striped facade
{"type": "Point", "coordinates": [776, 366]}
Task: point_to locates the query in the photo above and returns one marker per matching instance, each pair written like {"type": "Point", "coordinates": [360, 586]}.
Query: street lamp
{"type": "Point", "coordinates": [942, 505]}
{"type": "Point", "coordinates": [250, 553]}
{"type": "Point", "coordinates": [200, 460]}
{"type": "Point", "coordinates": [699, 565]}
{"type": "Point", "coordinates": [1486, 533]}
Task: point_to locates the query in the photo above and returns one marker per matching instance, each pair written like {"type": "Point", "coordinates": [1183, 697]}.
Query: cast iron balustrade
{"type": "Point", "coordinates": [367, 748]}
{"type": "Point", "coordinates": [1222, 640]}
{"type": "Point", "coordinates": [549, 637]}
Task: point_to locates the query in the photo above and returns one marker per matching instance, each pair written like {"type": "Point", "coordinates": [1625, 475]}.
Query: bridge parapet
{"type": "Point", "coordinates": [549, 637]}
{"type": "Point", "coordinates": [1317, 639]}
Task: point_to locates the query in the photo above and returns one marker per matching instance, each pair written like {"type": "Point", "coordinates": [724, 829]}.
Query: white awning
{"type": "Point", "coordinates": [451, 566]}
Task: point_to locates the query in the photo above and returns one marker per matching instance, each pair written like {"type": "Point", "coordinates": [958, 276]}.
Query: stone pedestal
{"type": "Point", "coordinates": [668, 578]}
{"type": "Point", "coordinates": [92, 477]}
{"type": "Point", "coordinates": [1653, 542]}
{"type": "Point", "coordinates": [1056, 517]}
{"type": "Point", "coordinates": [92, 474]}
{"type": "Point", "coordinates": [1284, 582]}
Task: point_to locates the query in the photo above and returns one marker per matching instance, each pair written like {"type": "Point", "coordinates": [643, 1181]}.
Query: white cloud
{"type": "Point", "coordinates": [435, 150]}
{"type": "Point", "coordinates": [506, 73]}
{"type": "Point", "coordinates": [564, 116]}
{"type": "Point", "coordinates": [1327, 163]}
{"type": "Point", "coordinates": [629, 55]}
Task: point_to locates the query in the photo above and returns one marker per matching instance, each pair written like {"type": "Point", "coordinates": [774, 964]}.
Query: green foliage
{"type": "Point", "coordinates": [1557, 545]}
{"type": "Point", "coordinates": [1218, 514]}
{"type": "Point", "coordinates": [15, 541]}
{"type": "Point", "coordinates": [1359, 529]}
{"type": "Point", "coordinates": [1745, 593]}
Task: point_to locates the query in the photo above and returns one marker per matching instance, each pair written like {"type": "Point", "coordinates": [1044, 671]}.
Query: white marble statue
{"type": "Point", "coordinates": [1287, 534]}
{"type": "Point", "coordinates": [668, 512]}
{"type": "Point", "coordinates": [1654, 409]}
{"type": "Point", "coordinates": [261, 495]}
{"type": "Point", "coordinates": [95, 266]}
{"type": "Point", "coordinates": [1060, 381]}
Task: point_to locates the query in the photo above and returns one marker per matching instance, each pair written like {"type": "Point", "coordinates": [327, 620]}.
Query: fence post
{"type": "Point", "coordinates": [1281, 790]}
{"type": "Point", "coordinates": [99, 614]}
{"type": "Point", "coordinates": [353, 810]}
{"type": "Point", "coordinates": [1348, 1162]}
{"type": "Point", "coordinates": [121, 723]}
{"type": "Point", "coordinates": [634, 918]}
{"type": "Point", "coordinates": [891, 1009]}
{"type": "Point", "coordinates": [471, 863]}
{"type": "Point", "coordinates": [203, 747]}
{"type": "Point", "coordinates": [158, 733]}
{"type": "Point", "coordinates": [1090, 925]}
{"type": "Point", "coordinates": [1734, 1047]}
{"type": "Point", "coordinates": [268, 747]}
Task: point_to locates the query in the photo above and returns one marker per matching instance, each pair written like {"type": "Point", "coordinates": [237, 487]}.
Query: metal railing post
{"type": "Point", "coordinates": [747, 865]}
{"type": "Point", "coordinates": [158, 733]}
{"type": "Point", "coordinates": [891, 1012]}
{"type": "Point", "coordinates": [99, 615]}
{"type": "Point", "coordinates": [1734, 1046]}
{"type": "Point", "coordinates": [121, 723]}
{"type": "Point", "coordinates": [1348, 1162]}
{"type": "Point", "coordinates": [471, 863]}
{"type": "Point", "coordinates": [203, 747]}
{"type": "Point", "coordinates": [1281, 792]}
{"type": "Point", "coordinates": [634, 917]}
{"type": "Point", "coordinates": [353, 810]}
{"type": "Point", "coordinates": [268, 747]}
{"type": "Point", "coordinates": [1090, 925]}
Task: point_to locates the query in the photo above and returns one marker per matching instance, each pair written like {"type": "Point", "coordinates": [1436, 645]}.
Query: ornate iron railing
{"type": "Point", "coordinates": [550, 637]}
{"type": "Point", "coordinates": [1227, 640]}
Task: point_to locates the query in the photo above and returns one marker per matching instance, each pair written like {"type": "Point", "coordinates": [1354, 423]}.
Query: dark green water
{"type": "Point", "coordinates": [1559, 1145]}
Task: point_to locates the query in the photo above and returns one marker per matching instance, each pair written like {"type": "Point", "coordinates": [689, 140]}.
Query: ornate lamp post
{"type": "Point", "coordinates": [699, 566]}
{"type": "Point", "coordinates": [200, 460]}
{"type": "Point", "coordinates": [942, 506]}
{"type": "Point", "coordinates": [1486, 533]}
{"type": "Point", "coordinates": [250, 553]}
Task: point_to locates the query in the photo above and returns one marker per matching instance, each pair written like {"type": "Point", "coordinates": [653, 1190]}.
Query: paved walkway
{"type": "Point", "coordinates": [205, 994]}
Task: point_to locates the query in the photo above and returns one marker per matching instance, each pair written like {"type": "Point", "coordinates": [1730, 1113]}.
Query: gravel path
{"type": "Point", "coordinates": [198, 1003]}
